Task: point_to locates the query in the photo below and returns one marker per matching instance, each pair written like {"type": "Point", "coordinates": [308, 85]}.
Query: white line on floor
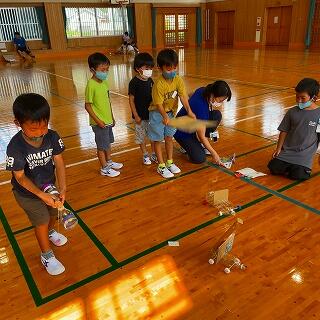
{"type": "Point", "coordinates": [85, 161]}
{"type": "Point", "coordinates": [83, 83]}
{"type": "Point", "coordinates": [258, 115]}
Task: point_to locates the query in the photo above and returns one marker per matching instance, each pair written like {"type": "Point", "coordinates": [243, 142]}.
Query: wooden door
{"type": "Point", "coordinates": [175, 29]}
{"type": "Point", "coordinates": [225, 29]}
{"type": "Point", "coordinates": [278, 26]}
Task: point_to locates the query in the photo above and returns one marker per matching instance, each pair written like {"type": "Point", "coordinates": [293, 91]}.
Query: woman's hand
{"type": "Point", "coordinates": [216, 159]}
{"type": "Point", "coordinates": [192, 115]}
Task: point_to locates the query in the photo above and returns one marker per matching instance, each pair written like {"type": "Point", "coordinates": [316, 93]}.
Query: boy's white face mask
{"type": "Point", "coordinates": [147, 73]}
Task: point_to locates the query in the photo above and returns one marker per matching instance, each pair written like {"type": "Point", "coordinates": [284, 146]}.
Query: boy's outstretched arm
{"type": "Point", "coordinates": [185, 103]}
{"type": "Point", "coordinates": [281, 139]}
{"type": "Point", "coordinates": [61, 175]}
{"type": "Point", "coordinates": [25, 182]}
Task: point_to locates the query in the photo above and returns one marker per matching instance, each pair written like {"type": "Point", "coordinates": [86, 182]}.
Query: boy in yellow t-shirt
{"type": "Point", "coordinates": [101, 117]}
{"type": "Point", "coordinates": [165, 92]}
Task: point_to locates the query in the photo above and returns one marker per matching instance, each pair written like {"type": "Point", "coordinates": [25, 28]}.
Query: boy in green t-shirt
{"type": "Point", "coordinates": [165, 92]}
{"type": "Point", "coordinates": [101, 117]}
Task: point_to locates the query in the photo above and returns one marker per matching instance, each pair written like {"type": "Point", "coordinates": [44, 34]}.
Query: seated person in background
{"type": "Point", "coordinates": [125, 38]}
{"type": "Point", "coordinates": [21, 46]}
{"type": "Point", "coordinates": [299, 134]}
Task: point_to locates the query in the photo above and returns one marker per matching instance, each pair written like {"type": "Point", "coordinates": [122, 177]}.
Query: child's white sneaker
{"type": "Point", "coordinates": [182, 150]}
{"type": "Point", "coordinates": [164, 172]}
{"type": "Point", "coordinates": [57, 238]}
{"type": "Point", "coordinates": [173, 168]}
{"type": "Point", "coordinates": [52, 265]}
{"type": "Point", "coordinates": [115, 165]}
{"type": "Point", "coordinates": [146, 160]}
{"type": "Point", "coordinates": [109, 172]}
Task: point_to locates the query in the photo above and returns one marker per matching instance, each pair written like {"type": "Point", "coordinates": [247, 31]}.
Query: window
{"type": "Point", "coordinates": [95, 22]}
{"type": "Point", "coordinates": [23, 20]}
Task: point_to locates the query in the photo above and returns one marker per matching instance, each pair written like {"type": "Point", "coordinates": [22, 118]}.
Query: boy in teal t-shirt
{"type": "Point", "coordinates": [99, 108]}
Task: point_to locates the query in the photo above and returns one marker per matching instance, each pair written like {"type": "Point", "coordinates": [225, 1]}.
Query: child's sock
{"type": "Point", "coordinates": [145, 154]}
{"type": "Point", "coordinates": [47, 255]}
{"type": "Point", "coordinates": [169, 162]}
{"type": "Point", "coordinates": [161, 165]}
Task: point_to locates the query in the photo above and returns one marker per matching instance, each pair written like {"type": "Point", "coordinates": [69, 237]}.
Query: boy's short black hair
{"type": "Point", "coordinates": [218, 88]}
{"type": "Point", "coordinates": [143, 59]}
{"type": "Point", "coordinates": [97, 58]}
{"type": "Point", "coordinates": [168, 58]}
{"type": "Point", "coordinates": [309, 85]}
{"type": "Point", "coordinates": [31, 106]}
{"type": "Point", "coordinates": [126, 33]}
{"type": "Point", "coordinates": [16, 33]}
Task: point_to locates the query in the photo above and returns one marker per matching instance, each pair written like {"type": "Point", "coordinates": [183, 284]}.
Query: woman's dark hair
{"type": "Point", "coordinates": [31, 106]}
{"type": "Point", "coordinates": [143, 59]}
{"type": "Point", "coordinates": [309, 85]}
{"type": "Point", "coordinates": [168, 58]}
{"type": "Point", "coordinates": [95, 59]}
{"type": "Point", "coordinates": [218, 88]}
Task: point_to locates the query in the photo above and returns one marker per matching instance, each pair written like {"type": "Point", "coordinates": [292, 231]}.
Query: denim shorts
{"type": "Point", "coordinates": [157, 130]}
{"type": "Point", "coordinates": [103, 137]}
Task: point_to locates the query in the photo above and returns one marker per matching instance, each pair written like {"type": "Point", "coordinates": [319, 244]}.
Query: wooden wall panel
{"type": "Point", "coordinates": [143, 23]}
{"type": "Point", "coordinates": [33, 44]}
{"type": "Point", "coordinates": [246, 13]}
{"type": "Point", "coordinates": [104, 42]}
{"type": "Point", "coordinates": [55, 25]}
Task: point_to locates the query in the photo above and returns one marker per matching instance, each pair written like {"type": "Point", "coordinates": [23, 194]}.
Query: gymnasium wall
{"type": "Point", "coordinates": [246, 13]}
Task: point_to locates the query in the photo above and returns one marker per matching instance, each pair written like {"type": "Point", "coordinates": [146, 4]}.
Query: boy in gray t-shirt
{"type": "Point", "coordinates": [299, 134]}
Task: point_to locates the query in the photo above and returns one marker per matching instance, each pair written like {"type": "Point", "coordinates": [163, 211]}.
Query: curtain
{"type": "Point", "coordinates": [64, 20]}
{"type": "Point", "coordinates": [42, 22]}
{"type": "Point", "coordinates": [310, 21]}
{"type": "Point", "coordinates": [130, 21]}
{"type": "Point", "coordinates": [199, 27]}
{"type": "Point", "coordinates": [154, 22]}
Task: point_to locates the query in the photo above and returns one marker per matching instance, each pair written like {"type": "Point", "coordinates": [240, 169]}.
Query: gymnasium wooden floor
{"type": "Point", "coordinates": [118, 263]}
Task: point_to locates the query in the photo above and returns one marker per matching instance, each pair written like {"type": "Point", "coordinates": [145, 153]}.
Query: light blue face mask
{"type": "Point", "coordinates": [102, 75]}
{"type": "Point", "coordinates": [34, 139]}
{"type": "Point", "coordinates": [169, 75]}
{"type": "Point", "coordinates": [303, 105]}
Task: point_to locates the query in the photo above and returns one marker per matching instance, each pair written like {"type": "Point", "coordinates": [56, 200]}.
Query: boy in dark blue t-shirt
{"type": "Point", "coordinates": [21, 46]}
{"type": "Point", "coordinates": [34, 157]}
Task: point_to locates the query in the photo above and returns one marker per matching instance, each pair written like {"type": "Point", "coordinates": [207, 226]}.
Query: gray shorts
{"type": "Point", "coordinates": [103, 137]}
{"type": "Point", "coordinates": [37, 211]}
{"type": "Point", "coordinates": [141, 131]}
